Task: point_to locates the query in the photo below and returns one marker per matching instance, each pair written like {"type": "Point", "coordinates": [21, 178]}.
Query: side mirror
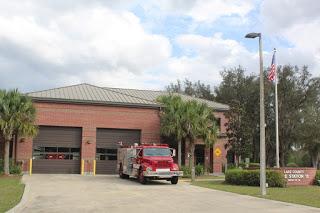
{"type": "Point", "coordinates": [173, 152]}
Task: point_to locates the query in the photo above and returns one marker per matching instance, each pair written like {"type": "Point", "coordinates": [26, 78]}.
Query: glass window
{"type": "Point", "coordinates": [63, 149]}
{"type": "Point", "coordinates": [218, 124]}
{"type": "Point", "coordinates": [106, 154]}
{"type": "Point", "coordinates": [60, 153]}
{"type": "Point", "coordinates": [50, 149]}
{"type": "Point", "coordinates": [156, 152]}
{"type": "Point", "coordinates": [75, 150]}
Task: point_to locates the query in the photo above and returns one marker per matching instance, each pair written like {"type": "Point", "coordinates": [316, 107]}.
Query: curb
{"type": "Point", "coordinates": [24, 198]}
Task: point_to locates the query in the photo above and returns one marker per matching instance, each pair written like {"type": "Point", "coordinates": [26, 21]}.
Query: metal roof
{"type": "Point", "coordinates": [86, 93]}
{"type": "Point", "coordinates": [152, 95]}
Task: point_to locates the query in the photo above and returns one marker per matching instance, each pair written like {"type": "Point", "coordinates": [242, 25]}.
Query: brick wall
{"type": "Point", "coordinates": [90, 117]}
{"type": "Point", "coordinates": [299, 176]}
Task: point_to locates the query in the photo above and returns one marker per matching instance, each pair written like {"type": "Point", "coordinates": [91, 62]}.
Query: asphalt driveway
{"type": "Point", "coordinates": [75, 193]}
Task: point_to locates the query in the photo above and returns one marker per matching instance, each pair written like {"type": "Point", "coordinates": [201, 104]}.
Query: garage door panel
{"type": "Point", "coordinates": [62, 136]}
{"type": "Point", "coordinates": [110, 137]}
{"type": "Point", "coordinates": [106, 167]}
{"type": "Point", "coordinates": [57, 150]}
{"type": "Point", "coordinates": [107, 145]}
{"type": "Point", "coordinates": [56, 166]}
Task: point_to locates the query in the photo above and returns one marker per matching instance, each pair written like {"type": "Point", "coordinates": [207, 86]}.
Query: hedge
{"type": "Point", "coordinates": [252, 178]}
{"type": "Point", "coordinates": [317, 179]}
{"type": "Point", "coordinates": [292, 165]}
{"type": "Point", "coordinates": [199, 170]}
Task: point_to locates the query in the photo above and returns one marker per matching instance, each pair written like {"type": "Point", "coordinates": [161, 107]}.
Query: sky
{"type": "Point", "coordinates": [148, 44]}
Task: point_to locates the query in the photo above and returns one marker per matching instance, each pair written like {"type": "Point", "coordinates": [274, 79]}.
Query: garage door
{"type": "Point", "coordinates": [107, 144]}
{"type": "Point", "coordinates": [57, 150]}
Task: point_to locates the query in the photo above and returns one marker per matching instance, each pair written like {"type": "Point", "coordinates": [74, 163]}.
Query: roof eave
{"type": "Point", "coordinates": [101, 103]}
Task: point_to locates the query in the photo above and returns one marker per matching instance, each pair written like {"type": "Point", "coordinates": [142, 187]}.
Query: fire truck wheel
{"type": "Point", "coordinates": [174, 180]}
{"type": "Point", "coordinates": [121, 175]}
{"type": "Point", "coordinates": [141, 178]}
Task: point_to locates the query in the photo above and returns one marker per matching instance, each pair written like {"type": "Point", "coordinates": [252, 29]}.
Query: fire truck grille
{"type": "Point", "coordinates": [163, 164]}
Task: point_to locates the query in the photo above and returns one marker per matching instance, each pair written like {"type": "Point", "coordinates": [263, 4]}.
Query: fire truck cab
{"type": "Point", "coordinates": [148, 162]}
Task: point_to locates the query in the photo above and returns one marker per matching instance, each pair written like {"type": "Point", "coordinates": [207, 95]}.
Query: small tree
{"type": "Point", "coordinates": [198, 123]}
{"type": "Point", "coordinates": [171, 119]}
{"type": "Point", "coordinates": [17, 118]}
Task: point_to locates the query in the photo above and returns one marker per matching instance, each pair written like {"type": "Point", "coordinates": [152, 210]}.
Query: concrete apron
{"type": "Point", "coordinates": [103, 193]}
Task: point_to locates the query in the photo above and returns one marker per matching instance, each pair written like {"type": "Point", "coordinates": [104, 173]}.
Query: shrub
{"type": "Point", "coordinates": [275, 179]}
{"type": "Point", "coordinates": [199, 169]}
{"type": "Point", "coordinates": [317, 179]}
{"type": "Point", "coordinates": [231, 166]}
{"type": "Point", "coordinates": [186, 171]}
{"type": "Point", "coordinates": [292, 164]}
{"type": "Point", "coordinates": [242, 165]}
{"type": "Point", "coordinates": [252, 178]}
{"type": "Point", "coordinates": [14, 168]}
{"type": "Point", "coordinates": [254, 165]}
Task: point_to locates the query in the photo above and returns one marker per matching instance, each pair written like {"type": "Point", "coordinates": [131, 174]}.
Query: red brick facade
{"type": "Point", "coordinates": [91, 117]}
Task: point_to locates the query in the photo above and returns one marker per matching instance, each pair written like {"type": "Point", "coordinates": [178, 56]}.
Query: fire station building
{"type": "Point", "coordinates": [80, 128]}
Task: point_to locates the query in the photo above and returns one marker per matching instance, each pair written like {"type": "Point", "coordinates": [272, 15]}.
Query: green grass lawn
{"type": "Point", "coordinates": [304, 195]}
{"type": "Point", "coordinates": [11, 190]}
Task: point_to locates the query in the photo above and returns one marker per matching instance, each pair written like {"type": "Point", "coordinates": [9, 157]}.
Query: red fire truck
{"type": "Point", "coordinates": [148, 162]}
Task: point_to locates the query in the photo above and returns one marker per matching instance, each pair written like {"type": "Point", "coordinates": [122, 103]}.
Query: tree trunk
{"type": "Point", "coordinates": [6, 157]}
{"type": "Point", "coordinates": [315, 160]}
{"type": "Point", "coordinates": [282, 161]}
{"type": "Point", "coordinates": [193, 172]}
{"type": "Point", "coordinates": [282, 158]}
{"type": "Point", "coordinates": [179, 153]}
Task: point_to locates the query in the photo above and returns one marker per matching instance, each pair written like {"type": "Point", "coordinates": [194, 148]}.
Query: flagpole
{"type": "Point", "coordinates": [277, 116]}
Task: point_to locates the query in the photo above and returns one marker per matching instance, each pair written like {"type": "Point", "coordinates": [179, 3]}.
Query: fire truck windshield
{"type": "Point", "coordinates": [157, 152]}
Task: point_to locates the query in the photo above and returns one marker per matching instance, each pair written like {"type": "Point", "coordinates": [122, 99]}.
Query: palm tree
{"type": "Point", "coordinates": [171, 119]}
{"type": "Point", "coordinates": [17, 118]}
{"type": "Point", "coordinates": [198, 123]}
{"type": "Point", "coordinates": [187, 121]}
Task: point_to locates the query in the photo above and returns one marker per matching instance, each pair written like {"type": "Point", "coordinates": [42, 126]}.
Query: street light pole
{"type": "Point", "coordinates": [262, 119]}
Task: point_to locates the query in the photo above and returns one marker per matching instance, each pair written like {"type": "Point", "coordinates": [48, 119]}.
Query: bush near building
{"type": "Point", "coordinates": [252, 178]}
{"type": "Point", "coordinates": [317, 179]}
{"type": "Point", "coordinates": [199, 170]}
{"type": "Point", "coordinates": [14, 168]}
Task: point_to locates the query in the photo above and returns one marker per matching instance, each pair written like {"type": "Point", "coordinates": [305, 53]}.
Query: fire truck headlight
{"type": "Point", "coordinates": [175, 167]}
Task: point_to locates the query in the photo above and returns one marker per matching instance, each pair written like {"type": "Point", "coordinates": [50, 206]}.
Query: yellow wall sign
{"type": "Point", "coordinates": [217, 152]}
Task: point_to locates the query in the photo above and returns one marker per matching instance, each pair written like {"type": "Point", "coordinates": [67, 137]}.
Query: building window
{"type": "Point", "coordinates": [218, 124]}
{"type": "Point", "coordinates": [106, 154]}
{"type": "Point", "coordinates": [56, 153]}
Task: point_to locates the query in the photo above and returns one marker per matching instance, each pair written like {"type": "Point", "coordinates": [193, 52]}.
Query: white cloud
{"type": "Point", "coordinates": [210, 55]}
{"type": "Point", "coordinates": [298, 23]}
{"type": "Point", "coordinates": [203, 10]}
{"type": "Point", "coordinates": [74, 44]}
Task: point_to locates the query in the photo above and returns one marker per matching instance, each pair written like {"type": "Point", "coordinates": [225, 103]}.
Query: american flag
{"type": "Point", "coordinates": [272, 72]}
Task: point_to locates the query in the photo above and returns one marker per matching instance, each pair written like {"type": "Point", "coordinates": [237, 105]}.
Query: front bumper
{"type": "Point", "coordinates": [163, 174]}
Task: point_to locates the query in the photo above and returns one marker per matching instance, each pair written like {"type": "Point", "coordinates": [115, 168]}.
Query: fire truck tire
{"type": "Point", "coordinates": [141, 178]}
{"type": "Point", "coordinates": [174, 180]}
